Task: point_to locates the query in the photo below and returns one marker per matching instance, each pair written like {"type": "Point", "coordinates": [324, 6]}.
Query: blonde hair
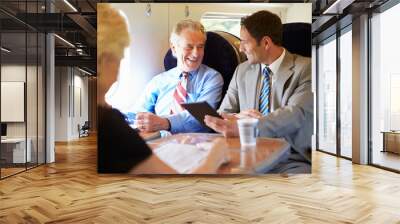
{"type": "Point", "coordinates": [186, 24]}
{"type": "Point", "coordinates": [112, 31]}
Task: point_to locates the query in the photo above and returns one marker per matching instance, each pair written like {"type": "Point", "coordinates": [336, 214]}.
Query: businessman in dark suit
{"type": "Point", "coordinates": [274, 86]}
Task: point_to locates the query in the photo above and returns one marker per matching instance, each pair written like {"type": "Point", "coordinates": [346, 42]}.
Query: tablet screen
{"type": "Point", "coordinates": [199, 110]}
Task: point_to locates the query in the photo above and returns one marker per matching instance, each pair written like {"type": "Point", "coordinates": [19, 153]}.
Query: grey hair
{"type": "Point", "coordinates": [186, 24]}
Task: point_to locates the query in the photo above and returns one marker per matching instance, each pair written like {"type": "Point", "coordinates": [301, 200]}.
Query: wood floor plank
{"type": "Point", "coordinates": [70, 191]}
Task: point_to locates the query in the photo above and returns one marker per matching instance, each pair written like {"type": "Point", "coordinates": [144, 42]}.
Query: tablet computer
{"type": "Point", "coordinates": [199, 110]}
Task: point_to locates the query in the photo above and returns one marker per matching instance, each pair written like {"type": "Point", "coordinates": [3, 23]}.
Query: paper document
{"type": "Point", "coordinates": [183, 158]}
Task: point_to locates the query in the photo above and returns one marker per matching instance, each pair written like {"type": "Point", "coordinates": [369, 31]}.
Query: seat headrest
{"type": "Point", "coordinates": [297, 38]}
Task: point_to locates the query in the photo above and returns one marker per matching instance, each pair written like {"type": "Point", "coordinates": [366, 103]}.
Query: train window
{"type": "Point", "coordinates": [226, 22]}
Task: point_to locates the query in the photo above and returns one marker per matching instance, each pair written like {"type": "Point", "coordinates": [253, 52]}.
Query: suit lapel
{"type": "Point", "coordinates": [284, 73]}
{"type": "Point", "coordinates": [253, 76]}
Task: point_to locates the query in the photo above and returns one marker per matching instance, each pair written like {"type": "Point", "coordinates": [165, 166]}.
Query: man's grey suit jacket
{"type": "Point", "coordinates": [292, 101]}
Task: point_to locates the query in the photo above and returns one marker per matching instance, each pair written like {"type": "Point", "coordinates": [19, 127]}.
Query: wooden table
{"type": "Point", "coordinates": [250, 160]}
{"type": "Point", "coordinates": [391, 141]}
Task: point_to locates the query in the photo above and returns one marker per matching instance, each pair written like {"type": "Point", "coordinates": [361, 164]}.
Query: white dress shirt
{"type": "Point", "coordinates": [273, 67]}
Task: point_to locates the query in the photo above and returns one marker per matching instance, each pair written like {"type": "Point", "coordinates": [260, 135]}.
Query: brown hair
{"type": "Point", "coordinates": [264, 23]}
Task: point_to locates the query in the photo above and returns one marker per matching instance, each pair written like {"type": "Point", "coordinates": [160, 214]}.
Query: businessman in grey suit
{"type": "Point", "coordinates": [274, 86]}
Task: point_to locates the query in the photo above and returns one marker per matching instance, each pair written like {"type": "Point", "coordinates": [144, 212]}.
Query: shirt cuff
{"type": "Point", "coordinates": [175, 123]}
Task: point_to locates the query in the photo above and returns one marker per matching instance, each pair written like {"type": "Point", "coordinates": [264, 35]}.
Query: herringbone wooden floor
{"type": "Point", "coordinates": [70, 191]}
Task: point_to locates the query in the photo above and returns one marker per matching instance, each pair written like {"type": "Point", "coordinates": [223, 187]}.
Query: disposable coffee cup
{"type": "Point", "coordinates": [247, 131]}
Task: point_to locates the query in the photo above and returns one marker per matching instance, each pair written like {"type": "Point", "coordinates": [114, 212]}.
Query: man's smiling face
{"type": "Point", "coordinates": [189, 50]}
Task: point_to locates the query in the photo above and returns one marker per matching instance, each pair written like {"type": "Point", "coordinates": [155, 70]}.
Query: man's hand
{"type": "Point", "coordinates": [227, 126]}
{"type": "Point", "coordinates": [149, 122]}
{"type": "Point", "coordinates": [251, 113]}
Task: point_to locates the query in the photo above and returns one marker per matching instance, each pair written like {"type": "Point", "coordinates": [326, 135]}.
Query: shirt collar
{"type": "Point", "coordinates": [191, 74]}
{"type": "Point", "coordinates": [274, 66]}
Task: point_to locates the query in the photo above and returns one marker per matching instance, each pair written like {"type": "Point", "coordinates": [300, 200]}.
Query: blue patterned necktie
{"type": "Point", "coordinates": [265, 92]}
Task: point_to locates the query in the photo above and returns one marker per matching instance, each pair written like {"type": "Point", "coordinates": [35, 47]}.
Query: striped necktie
{"type": "Point", "coordinates": [180, 94]}
{"type": "Point", "coordinates": [265, 94]}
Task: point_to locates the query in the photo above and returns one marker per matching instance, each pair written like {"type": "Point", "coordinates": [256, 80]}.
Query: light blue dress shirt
{"type": "Point", "coordinates": [204, 84]}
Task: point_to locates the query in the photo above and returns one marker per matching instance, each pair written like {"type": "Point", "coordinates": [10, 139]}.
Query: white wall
{"type": "Point", "coordinates": [299, 12]}
{"type": "Point", "coordinates": [81, 104]}
{"type": "Point", "coordinates": [71, 96]}
{"type": "Point", "coordinates": [150, 35]}
{"type": "Point", "coordinates": [13, 73]}
{"type": "Point", "coordinates": [16, 73]}
{"type": "Point", "coordinates": [61, 103]}
{"type": "Point", "coordinates": [33, 126]}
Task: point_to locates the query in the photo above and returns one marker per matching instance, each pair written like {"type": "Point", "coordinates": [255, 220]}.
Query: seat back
{"type": "Point", "coordinates": [297, 38]}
